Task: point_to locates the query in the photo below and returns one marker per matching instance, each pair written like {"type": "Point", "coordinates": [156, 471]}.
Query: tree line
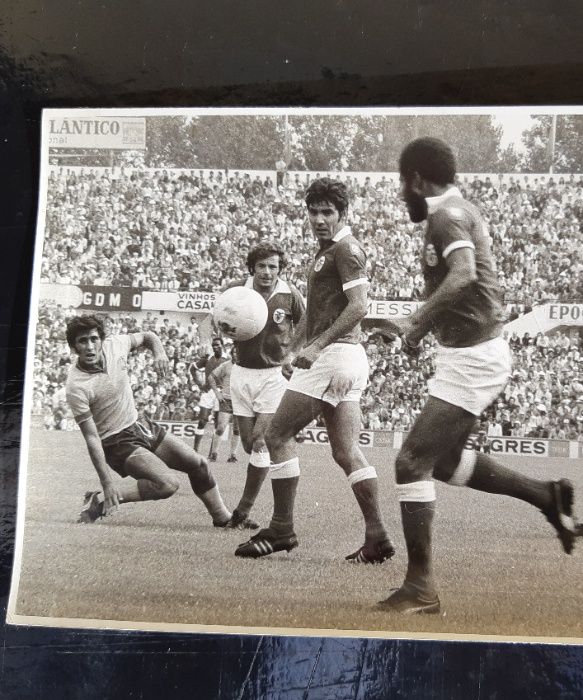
{"type": "Point", "coordinates": [346, 143]}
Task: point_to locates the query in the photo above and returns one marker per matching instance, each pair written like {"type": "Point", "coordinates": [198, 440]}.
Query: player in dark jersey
{"type": "Point", "coordinates": [463, 309]}
{"type": "Point", "coordinates": [331, 373]}
{"type": "Point", "coordinates": [100, 396]}
{"type": "Point", "coordinates": [219, 381]}
{"type": "Point", "coordinates": [208, 401]}
{"type": "Point", "coordinates": [259, 378]}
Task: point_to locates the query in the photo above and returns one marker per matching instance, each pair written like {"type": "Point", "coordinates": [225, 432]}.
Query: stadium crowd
{"type": "Point", "coordinates": [190, 230]}
{"type": "Point", "coordinates": [544, 397]}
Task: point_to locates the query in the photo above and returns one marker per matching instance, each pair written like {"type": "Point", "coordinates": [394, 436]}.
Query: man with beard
{"type": "Point", "coordinates": [463, 309]}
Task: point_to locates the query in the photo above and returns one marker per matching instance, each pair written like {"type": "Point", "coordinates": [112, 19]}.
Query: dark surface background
{"type": "Point", "coordinates": [178, 53]}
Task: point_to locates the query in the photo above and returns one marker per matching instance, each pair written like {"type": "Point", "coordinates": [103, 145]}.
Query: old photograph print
{"type": "Point", "coordinates": [145, 504]}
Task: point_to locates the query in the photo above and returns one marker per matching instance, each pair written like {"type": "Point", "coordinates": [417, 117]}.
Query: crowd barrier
{"type": "Point", "coordinates": [516, 446]}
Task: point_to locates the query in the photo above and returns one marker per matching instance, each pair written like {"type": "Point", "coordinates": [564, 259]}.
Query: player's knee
{"type": "Point", "coordinates": [247, 443]}
{"type": "Point", "coordinates": [219, 430]}
{"type": "Point", "coordinates": [166, 487]}
{"type": "Point", "coordinates": [343, 456]}
{"type": "Point", "coordinates": [258, 443]}
{"type": "Point", "coordinates": [201, 478]}
{"type": "Point", "coordinates": [408, 467]}
{"type": "Point", "coordinates": [274, 440]}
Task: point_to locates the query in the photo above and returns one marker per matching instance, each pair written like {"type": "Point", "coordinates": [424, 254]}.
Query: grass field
{"type": "Point", "coordinates": [500, 568]}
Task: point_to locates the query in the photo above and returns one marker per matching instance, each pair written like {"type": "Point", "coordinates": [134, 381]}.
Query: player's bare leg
{"type": "Point", "coordinates": [179, 456]}
{"type": "Point", "coordinates": [343, 425]}
{"type": "Point", "coordinates": [235, 439]}
{"type": "Point", "coordinates": [252, 432]}
{"type": "Point", "coordinates": [199, 431]}
{"type": "Point", "coordinates": [479, 471]}
{"type": "Point", "coordinates": [153, 481]}
{"type": "Point", "coordinates": [294, 413]}
{"type": "Point", "coordinates": [222, 420]}
{"type": "Point", "coordinates": [428, 451]}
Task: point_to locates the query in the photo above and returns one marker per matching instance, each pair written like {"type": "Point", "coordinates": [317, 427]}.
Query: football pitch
{"type": "Point", "coordinates": [500, 568]}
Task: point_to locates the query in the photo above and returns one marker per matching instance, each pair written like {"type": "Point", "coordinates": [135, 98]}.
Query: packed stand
{"type": "Point", "coordinates": [544, 397]}
{"type": "Point", "coordinates": [190, 230]}
{"type": "Point", "coordinates": [174, 397]}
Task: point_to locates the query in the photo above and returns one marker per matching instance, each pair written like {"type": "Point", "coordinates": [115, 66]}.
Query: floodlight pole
{"type": "Point", "coordinates": [552, 140]}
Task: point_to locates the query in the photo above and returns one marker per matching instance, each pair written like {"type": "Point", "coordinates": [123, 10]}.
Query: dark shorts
{"type": "Point", "coordinates": [143, 433]}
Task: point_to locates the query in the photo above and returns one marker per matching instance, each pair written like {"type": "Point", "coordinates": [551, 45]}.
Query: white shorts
{"type": "Point", "coordinates": [471, 377]}
{"type": "Point", "coordinates": [339, 374]}
{"type": "Point", "coordinates": [256, 391]}
{"type": "Point", "coordinates": [209, 401]}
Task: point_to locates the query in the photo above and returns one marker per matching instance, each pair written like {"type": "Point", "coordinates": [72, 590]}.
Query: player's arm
{"type": "Point", "coordinates": [110, 491]}
{"type": "Point", "coordinates": [461, 273]}
{"type": "Point", "coordinates": [151, 341]}
{"type": "Point", "coordinates": [351, 316]}
{"type": "Point", "coordinates": [215, 381]}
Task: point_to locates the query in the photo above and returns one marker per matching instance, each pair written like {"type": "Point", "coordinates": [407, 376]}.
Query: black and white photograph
{"type": "Point", "coordinates": [306, 372]}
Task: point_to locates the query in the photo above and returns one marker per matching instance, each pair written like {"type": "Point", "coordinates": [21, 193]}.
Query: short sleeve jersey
{"type": "Point", "coordinates": [454, 223]}
{"type": "Point", "coordinates": [209, 365]}
{"type": "Point", "coordinates": [222, 376]}
{"type": "Point", "coordinates": [104, 395]}
{"type": "Point", "coordinates": [285, 308]}
{"type": "Point", "coordinates": [336, 268]}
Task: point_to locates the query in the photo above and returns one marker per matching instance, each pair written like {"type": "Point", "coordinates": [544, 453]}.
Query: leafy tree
{"type": "Point", "coordinates": [232, 141]}
{"type": "Point", "coordinates": [169, 142]}
{"type": "Point", "coordinates": [568, 156]}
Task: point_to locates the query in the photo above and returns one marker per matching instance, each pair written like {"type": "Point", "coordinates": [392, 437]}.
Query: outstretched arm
{"type": "Point", "coordinates": [110, 491]}
{"type": "Point", "coordinates": [151, 341]}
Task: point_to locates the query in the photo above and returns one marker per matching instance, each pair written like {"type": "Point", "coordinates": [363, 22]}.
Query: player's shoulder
{"type": "Point", "coordinates": [285, 287]}
{"type": "Point", "coordinates": [454, 209]}
{"type": "Point", "coordinates": [237, 283]}
{"type": "Point", "coordinates": [75, 378]}
{"type": "Point", "coordinates": [349, 245]}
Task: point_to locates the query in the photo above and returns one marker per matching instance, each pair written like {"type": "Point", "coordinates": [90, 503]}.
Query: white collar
{"type": "Point", "coordinates": [281, 286]}
{"type": "Point", "coordinates": [345, 231]}
{"type": "Point", "coordinates": [434, 203]}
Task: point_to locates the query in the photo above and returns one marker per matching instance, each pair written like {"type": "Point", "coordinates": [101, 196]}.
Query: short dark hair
{"type": "Point", "coordinates": [217, 339]}
{"type": "Point", "coordinates": [265, 250]}
{"type": "Point", "coordinates": [432, 158]}
{"type": "Point", "coordinates": [327, 190]}
{"type": "Point", "coordinates": [83, 324]}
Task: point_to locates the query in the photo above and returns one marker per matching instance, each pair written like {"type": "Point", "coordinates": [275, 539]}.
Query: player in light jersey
{"type": "Point", "coordinates": [464, 310]}
{"type": "Point", "coordinates": [208, 401]}
{"type": "Point", "coordinates": [219, 381]}
{"type": "Point", "coordinates": [330, 376]}
{"type": "Point", "coordinates": [258, 380]}
{"type": "Point", "coordinates": [100, 396]}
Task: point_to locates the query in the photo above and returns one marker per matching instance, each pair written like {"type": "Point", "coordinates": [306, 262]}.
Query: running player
{"type": "Point", "coordinates": [330, 376]}
{"type": "Point", "coordinates": [463, 309]}
{"type": "Point", "coordinates": [219, 381]}
{"type": "Point", "coordinates": [208, 401]}
{"type": "Point", "coordinates": [100, 396]}
{"type": "Point", "coordinates": [259, 378]}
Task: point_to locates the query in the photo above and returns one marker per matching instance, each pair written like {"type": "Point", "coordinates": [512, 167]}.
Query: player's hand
{"type": "Point", "coordinates": [161, 364]}
{"type": "Point", "coordinates": [411, 343]}
{"type": "Point", "coordinates": [111, 499]}
{"type": "Point", "coordinates": [386, 329]}
{"type": "Point", "coordinates": [306, 357]}
{"type": "Point", "coordinates": [287, 370]}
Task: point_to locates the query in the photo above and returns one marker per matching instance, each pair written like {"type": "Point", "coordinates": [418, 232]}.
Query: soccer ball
{"type": "Point", "coordinates": [240, 313]}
